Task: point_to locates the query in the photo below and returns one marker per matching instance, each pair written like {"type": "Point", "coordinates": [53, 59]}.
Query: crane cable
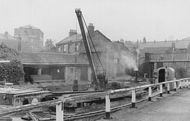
{"type": "Point", "coordinates": [92, 43]}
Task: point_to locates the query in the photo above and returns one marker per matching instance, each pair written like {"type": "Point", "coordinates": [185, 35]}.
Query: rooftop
{"type": "Point", "coordinates": [179, 44]}
{"type": "Point", "coordinates": [29, 27]}
{"type": "Point", "coordinates": [50, 58]}
{"type": "Point", "coordinates": [73, 38]}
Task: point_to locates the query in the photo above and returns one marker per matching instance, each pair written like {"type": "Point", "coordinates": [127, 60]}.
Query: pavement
{"type": "Point", "coordinates": [170, 107]}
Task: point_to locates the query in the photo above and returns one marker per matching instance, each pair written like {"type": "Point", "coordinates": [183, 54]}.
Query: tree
{"type": "Point", "coordinates": [49, 46]}
{"type": "Point", "coordinates": [12, 71]}
{"type": "Point", "coordinates": [144, 40]}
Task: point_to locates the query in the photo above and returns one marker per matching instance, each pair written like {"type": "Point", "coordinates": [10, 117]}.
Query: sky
{"type": "Point", "coordinates": [132, 20]}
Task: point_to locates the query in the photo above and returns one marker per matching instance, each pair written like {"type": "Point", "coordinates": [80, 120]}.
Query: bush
{"type": "Point", "coordinates": [12, 71]}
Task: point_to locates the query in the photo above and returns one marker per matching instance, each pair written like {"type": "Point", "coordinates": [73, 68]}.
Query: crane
{"type": "Point", "coordinates": [95, 81]}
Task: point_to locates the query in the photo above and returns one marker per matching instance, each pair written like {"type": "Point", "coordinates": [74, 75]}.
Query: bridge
{"type": "Point", "coordinates": [169, 88]}
{"type": "Point", "coordinates": [172, 107]}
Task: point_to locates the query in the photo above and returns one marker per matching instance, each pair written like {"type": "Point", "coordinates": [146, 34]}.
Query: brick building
{"type": "Point", "coordinates": [31, 38]}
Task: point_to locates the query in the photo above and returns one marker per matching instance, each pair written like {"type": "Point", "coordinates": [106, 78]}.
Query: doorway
{"type": "Point", "coordinates": [161, 75]}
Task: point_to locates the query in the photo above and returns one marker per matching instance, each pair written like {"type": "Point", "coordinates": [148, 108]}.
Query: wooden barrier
{"type": "Point", "coordinates": [133, 99]}
{"type": "Point", "coordinates": [149, 93]}
{"type": "Point", "coordinates": [168, 88]}
{"type": "Point", "coordinates": [107, 106]}
{"type": "Point", "coordinates": [161, 89]}
{"type": "Point", "coordinates": [59, 112]}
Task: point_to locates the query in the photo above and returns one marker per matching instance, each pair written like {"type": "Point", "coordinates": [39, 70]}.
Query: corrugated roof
{"type": "Point", "coordinates": [51, 59]}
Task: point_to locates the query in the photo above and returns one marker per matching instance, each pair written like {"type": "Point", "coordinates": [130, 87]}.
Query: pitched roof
{"type": "Point", "coordinates": [29, 27]}
{"type": "Point", "coordinates": [46, 58]}
{"type": "Point", "coordinates": [97, 31]}
{"type": "Point", "coordinates": [78, 37]}
{"type": "Point", "coordinates": [73, 38]}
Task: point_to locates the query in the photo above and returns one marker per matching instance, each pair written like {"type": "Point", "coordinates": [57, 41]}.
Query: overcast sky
{"type": "Point", "coordinates": [127, 19]}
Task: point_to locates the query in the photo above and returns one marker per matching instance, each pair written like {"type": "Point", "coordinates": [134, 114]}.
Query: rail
{"type": "Point", "coordinates": [176, 84]}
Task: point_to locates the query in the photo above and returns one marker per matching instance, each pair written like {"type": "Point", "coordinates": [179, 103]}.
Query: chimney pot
{"type": "Point", "coordinates": [72, 32]}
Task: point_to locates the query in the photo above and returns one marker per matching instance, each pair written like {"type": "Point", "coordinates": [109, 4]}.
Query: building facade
{"type": "Point", "coordinates": [173, 54]}
{"type": "Point", "coordinates": [56, 68]}
{"type": "Point", "coordinates": [108, 56]}
{"type": "Point", "coordinates": [30, 38]}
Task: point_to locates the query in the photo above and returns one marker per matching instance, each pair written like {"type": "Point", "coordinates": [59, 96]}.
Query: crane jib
{"type": "Point", "coordinates": [87, 47]}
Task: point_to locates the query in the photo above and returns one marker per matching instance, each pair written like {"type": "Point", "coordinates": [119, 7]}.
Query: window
{"type": "Point", "coordinates": [59, 49]}
{"type": "Point", "coordinates": [65, 48]}
{"type": "Point", "coordinates": [71, 70]}
{"type": "Point", "coordinates": [77, 47]}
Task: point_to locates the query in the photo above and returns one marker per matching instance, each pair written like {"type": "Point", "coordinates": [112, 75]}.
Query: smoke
{"type": "Point", "coordinates": [128, 61]}
{"type": "Point", "coordinates": [119, 61]}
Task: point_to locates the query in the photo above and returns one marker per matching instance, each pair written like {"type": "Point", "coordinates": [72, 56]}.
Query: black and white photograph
{"type": "Point", "coordinates": [94, 60]}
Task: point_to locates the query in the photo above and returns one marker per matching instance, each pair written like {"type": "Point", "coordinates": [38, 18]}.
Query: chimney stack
{"type": "Point", "coordinates": [91, 29]}
{"type": "Point", "coordinates": [72, 32]}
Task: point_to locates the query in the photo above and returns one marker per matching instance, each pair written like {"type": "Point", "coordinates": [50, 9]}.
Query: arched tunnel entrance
{"type": "Point", "coordinates": [161, 75]}
{"type": "Point", "coordinates": [166, 74]}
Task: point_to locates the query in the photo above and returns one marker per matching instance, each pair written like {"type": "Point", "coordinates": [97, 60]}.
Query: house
{"type": "Point", "coordinates": [106, 54]}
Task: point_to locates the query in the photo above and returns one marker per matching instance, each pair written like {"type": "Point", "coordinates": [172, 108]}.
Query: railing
{"type": "Point", "coordinates": [176, 84]}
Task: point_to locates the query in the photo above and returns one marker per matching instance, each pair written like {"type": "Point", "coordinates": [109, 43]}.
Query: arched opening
{"type": "Point", "coordinates": [25, 102]}
{"type": "Point", "coordinates": [17, 102]}
{"type": "Point", "coordinates": [34, 101]}
{"type": "Point", "coordinates": [161, 75]}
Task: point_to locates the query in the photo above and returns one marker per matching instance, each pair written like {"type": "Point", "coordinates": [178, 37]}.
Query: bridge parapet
{"type": "Point", "coordinates": [169, 57]}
